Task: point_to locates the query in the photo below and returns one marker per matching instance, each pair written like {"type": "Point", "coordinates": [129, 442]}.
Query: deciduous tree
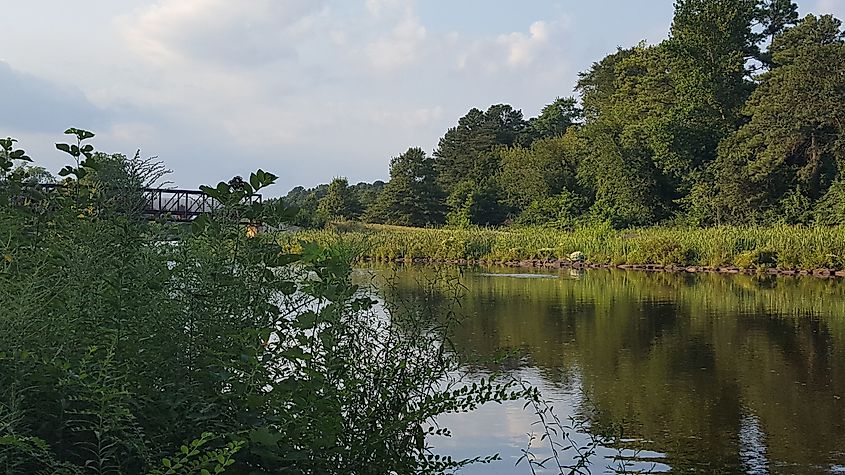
{"type": "Point", "coordinates": [412, 197]}
{"type": "Point", "coordinates": [339, 203]}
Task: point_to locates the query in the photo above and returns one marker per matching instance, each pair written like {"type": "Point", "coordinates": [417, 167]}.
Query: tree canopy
{"type": "Point", "coordinates": [737, 115]}
{"type": "Point", "coordinates": [339, 202]}
{"type": "Point", "coordinates": [412, 197]}
{"type": "Point", "coordinates": [793, 145]}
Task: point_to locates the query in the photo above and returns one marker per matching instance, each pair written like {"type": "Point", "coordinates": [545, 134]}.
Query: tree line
{"type": "Point", "coordinates": [737, 117]}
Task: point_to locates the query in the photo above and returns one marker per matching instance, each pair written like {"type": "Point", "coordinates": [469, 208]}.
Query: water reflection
{"type": "Point", "coordinates": [732, 374]}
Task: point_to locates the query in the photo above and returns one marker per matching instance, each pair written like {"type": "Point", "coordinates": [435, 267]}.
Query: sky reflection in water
{"type": "Point", "coordinates": [709, 373]}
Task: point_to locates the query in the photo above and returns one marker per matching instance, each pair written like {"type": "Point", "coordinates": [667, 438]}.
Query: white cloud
{"type": "Point", "coordinates": [303, 96]}
{"type": "Point", "coordinates": [521, 48]}
{"type": "Point", "coordinates": [245, 33]}
{"type": "Point", "coordinates": [127, 132]}
{"type": "Point", "coordinates": [308, 88]}
{"type": "Point", "coordinates": [378, 7]}
{"type": "Point", "coordinates": [833, 7]}
{"type": "Point", "coordinates": [516, 52]}
{"type": "Point", "coordinates": [401, 47]}
{"type": "Point", "coordinates": [411, 119]}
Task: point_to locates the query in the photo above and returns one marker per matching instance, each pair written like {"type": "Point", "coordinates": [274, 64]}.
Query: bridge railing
{"type": "Point", "coordinates": [178, 204]}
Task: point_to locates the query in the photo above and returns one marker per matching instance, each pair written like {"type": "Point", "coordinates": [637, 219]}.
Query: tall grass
{"type": "Point", "coordinates": [120, 354]}
{"type": "Point", "coordinates": [786, 247]}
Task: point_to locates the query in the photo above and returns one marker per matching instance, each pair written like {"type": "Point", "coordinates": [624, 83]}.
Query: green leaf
{"type": "Point", "coordinates": [268, 178]}
{"type": "Point", "coordinates": [81, 134]}
{"type": "Point", "coordinates": [295, 354]}
{"type": "Point", "coordinates": [200, 224]}
{"type": "Point", "coordinates": [274, 258]}
{"type": "Point", "coordinates": [263, 436]}
{"type": "Point", "coordinates": [306, 319]}
{"type": "Point", "coordinates": [92, 165]}
{"type": "Point", "coordinates": [287, 288]}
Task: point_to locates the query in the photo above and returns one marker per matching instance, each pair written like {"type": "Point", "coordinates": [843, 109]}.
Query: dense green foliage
{"type": "Point", "coordinates": [339, 202]}
{"type": "Point", "coordinates": [791, 151]}
{"type": "Point", "coordinates": [361, 197]}
{"type": "Point", "coordinates": [412, 197]}
{"type": "Point", "coordinates": [467, 152]}
{"type": "Point", "coordinates": [131, 346]}
{"type": "Point", "coordinates": [736, 117]}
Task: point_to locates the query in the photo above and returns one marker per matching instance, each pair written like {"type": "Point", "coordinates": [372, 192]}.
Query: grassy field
{"type": "Point", "coordinates": [784, 247]}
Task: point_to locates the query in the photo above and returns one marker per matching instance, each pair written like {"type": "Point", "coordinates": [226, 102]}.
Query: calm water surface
{"type": "Point", "coordinates": [703, 373]}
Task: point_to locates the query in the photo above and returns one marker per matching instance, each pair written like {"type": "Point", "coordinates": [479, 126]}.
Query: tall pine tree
{"type": "Point", "coordinates": [793, 147]}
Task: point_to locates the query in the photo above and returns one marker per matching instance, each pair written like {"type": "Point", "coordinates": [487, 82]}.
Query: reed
{"type": "Point", "coordinates": [784, 247]}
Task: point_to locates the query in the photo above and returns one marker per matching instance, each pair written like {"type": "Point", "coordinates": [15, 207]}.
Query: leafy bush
{"type": "Point", "coordinates": [756, 259]}
{"type": "Point", "coordinates": [560, 212]}
{"type": "Point", "coordinates": [830, 209]}
{"type": "Point", "coordinates": [793, 208]}
{"type": "Point", "coordinates": [138, 347]}
{"type": "Point", "coordinates": [662, 250]}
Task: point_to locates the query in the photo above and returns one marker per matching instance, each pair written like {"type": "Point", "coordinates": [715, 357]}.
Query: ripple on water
{"type": "Point", "coordinates": [521, 276]}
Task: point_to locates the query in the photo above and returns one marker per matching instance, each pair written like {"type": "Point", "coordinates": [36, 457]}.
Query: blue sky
{"type": "Point", "coordinates": [308, 89]}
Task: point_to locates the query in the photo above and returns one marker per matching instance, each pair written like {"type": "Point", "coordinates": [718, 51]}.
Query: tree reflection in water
{"type": "Point", "coordinates": [719, 373]}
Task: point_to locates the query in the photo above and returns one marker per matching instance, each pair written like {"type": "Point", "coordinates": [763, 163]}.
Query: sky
{"type": "Point", "coordinates": [307, 89]}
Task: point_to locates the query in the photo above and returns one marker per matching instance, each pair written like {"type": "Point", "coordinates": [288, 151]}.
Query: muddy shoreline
{"type": "Point", "coordinates": [567, 264]}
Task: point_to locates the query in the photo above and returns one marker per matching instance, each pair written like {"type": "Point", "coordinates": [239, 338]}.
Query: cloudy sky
{"type": "Point", "coordinates": [308, 89]}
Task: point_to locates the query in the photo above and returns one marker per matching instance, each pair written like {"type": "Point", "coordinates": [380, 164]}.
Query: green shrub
{"type": "Point", "coordinates": [559, 212]}
{"type": "Point", "coordinates": [830, 209]}
{"type": "Point", "coordinates": [756, 259]}
{"type": "Point", "coordinates": [664, 250]}
{"type": "Point", "coordinates": [137, 347]}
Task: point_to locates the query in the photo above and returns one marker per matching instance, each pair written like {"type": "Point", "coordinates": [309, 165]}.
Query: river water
{"type": "Point", "coordinates": [697, 372]}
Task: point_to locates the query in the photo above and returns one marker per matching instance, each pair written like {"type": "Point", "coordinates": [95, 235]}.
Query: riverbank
{"type": "Point", "coordinates": [780, 250]}
{"type": "Point", "coordinates": [566, 264]}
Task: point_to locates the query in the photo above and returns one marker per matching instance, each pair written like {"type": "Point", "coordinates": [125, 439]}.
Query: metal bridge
{"type": "Point", "coordinates": [182, 205]}
{"type": "Point", "coordinates": [175, 204]}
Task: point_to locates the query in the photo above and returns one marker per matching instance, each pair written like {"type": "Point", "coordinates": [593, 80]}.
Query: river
{"type": "Point", "coordinates": [697, 372]}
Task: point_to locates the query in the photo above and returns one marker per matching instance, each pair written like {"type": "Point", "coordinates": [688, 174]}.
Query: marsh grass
{"type": "Point", "coordinates": [782, 246]}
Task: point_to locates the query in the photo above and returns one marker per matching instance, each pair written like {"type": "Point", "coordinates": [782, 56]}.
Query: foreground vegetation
{"type": "Point", "coordinates": [136, 347]}
{"type": "Point", "coordinates": [783, 246]}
